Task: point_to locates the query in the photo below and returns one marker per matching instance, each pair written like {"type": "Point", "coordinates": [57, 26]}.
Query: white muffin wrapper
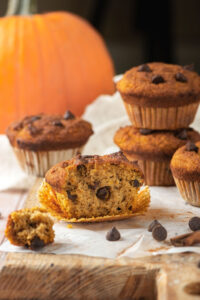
{"type": "Point", "coordinates": [189, 190]}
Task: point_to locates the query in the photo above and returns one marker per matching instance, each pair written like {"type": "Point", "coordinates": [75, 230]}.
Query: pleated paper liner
{"type": "Point", "coordinates": [156, 173]}
{"type": "Point", "coordinates": [37, 163]}
{"type": "Point", "coordinates": [189, 190]}
{"type": "Point", "coordinates": [169, 118]}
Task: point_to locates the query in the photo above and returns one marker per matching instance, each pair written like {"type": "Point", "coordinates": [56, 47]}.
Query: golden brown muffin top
{"type": "Point", "coordinates": [49, 132]}
{"type": "Point", "coordinates": [160, 85]}
{"type": "Point", "coordinates": [185, 163]}
{"type": "Point", "coordinates": [57, 175]}
{"type": "Point", "coordinates": [155, 145]}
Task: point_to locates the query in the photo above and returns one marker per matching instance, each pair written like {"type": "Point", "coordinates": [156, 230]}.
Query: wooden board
{"type": "Point", "coordinates": [47, 276]}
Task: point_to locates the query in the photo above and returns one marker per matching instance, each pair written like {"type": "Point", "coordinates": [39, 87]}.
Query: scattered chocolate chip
{"type": "Point", "coordinates": [18, 126]}
{"type": "Point", "coordinates": [118, 208]}
{"type": "Point", "coordinates": [194, 223]}
{"type": "Point", "coordinates": [156, 79]}
{"type": "Point", "coordinates": [68, 115]}
{"type": "Point", "coordinates": [189, 67]}
{"type": "Point", "coordinates": [33, 130]}
{"type": "Point", "coordinates": [35, 118]}
{"type": "Point", "coordinates": [180, 77]}
{"type": "Point", "coordinates": [82, 170]}
{"type": "Point", "coordinates": [57, 123]}
{"type": "Point", "coordinates": [113, 234]}
{"type": "Point", "coordinates": [36, 243]}
{"type": "Point", "coordinates": [144, 68]}
{"type": "Point", "coordinates": [182, 135]}
{"type": "Point", "coordinates": [103, 193]}
{"type": "Point", "coordinates": [135, 183]}
{"type": "Point", "coordinates": [191, 147]}
{"type": "Point", "coordinates": [153, 224]}
{"type": "Point", "coordinates": [159, 233]}
{"type": "Point", "coordinates": [72, 197]}
{"type": "Point", "coordinates": [188, 239]}
{"type": "Point", "coordinates": [145, 131]}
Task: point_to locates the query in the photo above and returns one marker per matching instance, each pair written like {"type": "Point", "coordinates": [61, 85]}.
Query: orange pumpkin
{"type": "Point", "coordinates": [50, 63]}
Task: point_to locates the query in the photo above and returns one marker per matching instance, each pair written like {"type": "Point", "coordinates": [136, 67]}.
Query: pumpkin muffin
{"type": "Point", "coordinates": [32, 228]}
{"type": "Point", "coordinates": [160, 96]}
{"type": "Point", "coordinates": [94, 188]}
{"type": "Point", "coordinates": [185, 166]}
{"type": "Point", "coordinates": [41, 141]}
{"type": "Point", "coordinates": [153, 150]}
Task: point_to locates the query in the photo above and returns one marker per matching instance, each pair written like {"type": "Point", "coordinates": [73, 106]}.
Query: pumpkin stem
{"type": "Point", "coordinates": [21, 7]}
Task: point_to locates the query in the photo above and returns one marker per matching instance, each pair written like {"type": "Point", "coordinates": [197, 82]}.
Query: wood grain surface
{"type": "Point", "coordinates": [48, 276]}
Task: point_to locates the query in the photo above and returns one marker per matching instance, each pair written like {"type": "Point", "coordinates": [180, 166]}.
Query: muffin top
{"type": "Point", "coordinates": [185, 163]}
{"type": "Point", "coordinates": [49, 132]}
{"type": "Point", "coordinates": [155, 145]}
{"type": "Point", "coordinates": [57, 175]}
{"type": "Point", "coordinates": [160, 85]}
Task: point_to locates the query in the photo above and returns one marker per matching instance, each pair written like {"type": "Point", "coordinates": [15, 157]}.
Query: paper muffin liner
{"type": "Point", "coordinates": [161, 117]}
{"type": "Point", "coordinates": [189, 190]}
{"type": "Point", "coordinates": [37, 163]}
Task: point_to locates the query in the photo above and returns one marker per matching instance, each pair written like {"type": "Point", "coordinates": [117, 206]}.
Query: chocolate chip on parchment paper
{"type": "Point", "coordinates": [144, 68]}
{"type": "Point", "coordinates": [69, 115]}
{"type": "Point", "coordinates": [156, 79]}
{"type": "Point", "coordinates": [113, 234]}
{"type": "Point", "coordinates": [194, 223]}
{"type": "Point", "coordinates": [159, 233]}
{"type": "Point", "coordinates": [191, 147]}
{"type": "Point", "coordinates": [153, 224]}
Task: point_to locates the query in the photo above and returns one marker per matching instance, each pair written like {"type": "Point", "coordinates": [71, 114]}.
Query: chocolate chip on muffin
{"type": "Point", "coordinates": [145, 131]}
{"type": "Point", "coordinates": [156, 79]}
{"type": "Point", "coordinates": [189, 67]}
{"type": "Point", "coordinates": [103, 193]}
{"type": "Point", "coordinates": [57, 123]}
{"type": "Point", "coordinates": [69, 115]}
{"type": "Point", "coordinates": [191, 147]}
{"type": "Point", "coordinates": [182, 135]}
{"type": "Point", "coordinates": [113, 235]}
{"type": "Point", "coordinates": [180, 77]}
{"type": "Point", "coordinates": [144, 68]}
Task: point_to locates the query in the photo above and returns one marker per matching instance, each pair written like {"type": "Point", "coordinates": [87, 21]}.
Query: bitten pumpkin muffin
{"type": "Point", "coordinates": [153, 150]}
{"type": "Point", "coordinates": [41, 141]}
{"type": "Point", "coordinates": [32, 228]}
{"type": "Point", "coordinates": [94, 188]}
{"type": "Point", "coordinates": [185, 166]}
{"type": "Point", "coordinates": [160, 96]}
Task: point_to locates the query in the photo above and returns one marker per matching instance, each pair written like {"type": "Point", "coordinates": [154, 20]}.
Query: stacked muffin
{"type": "Point", "coordinates": [161, 101]}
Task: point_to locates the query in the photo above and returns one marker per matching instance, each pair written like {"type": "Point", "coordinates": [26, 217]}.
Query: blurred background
{"type": "Point", "coordinates": [138, 31]}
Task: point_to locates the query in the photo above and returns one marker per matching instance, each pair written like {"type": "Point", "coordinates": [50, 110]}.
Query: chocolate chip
{"type": "Point", "coordinates": [68, 115]}
{"type": "Point", "coordinates": [144, 68]}
{"type": "Point", "coordinates": [18, 126]}
{"type": "Point", "coordinates": [118, 208]}
{"type": "Point", "coordinates": [182, 135]}
{"type": "Point", "coordinates": [33, 130]}
{"type": "Point", "coordinates": [72, 197]}
{"type": "Point", "coordinates": [152, 225]}
{"type": "Point", "coordinates": [130, 207]}
{"type": "Point", "coordinates": [156, 79]}
{"type": "Point", "coordinates": [194, 223]}
{"type": "Point", "coordinates": [159, 233]}
{"type": "Point", "coordinates": [135, 183]}
{"type": "Point", "coordinates": [189, 67]}
{"type": "Point", "coordinates": [180, 77]}
{"type": "Point", "coordinates": [113, 235]}
{"type": "Point", "coordinates": [82, 170]}
{"type": "Point", "coordinates": [36, 243]}
{"type": "Point", "coordinates": [191, 147]}
{"type": "Point", "coordinates": [103, 193]}
{"type": "Point", "coordinates": [57, 123]}
{"type": "Point", "coordinates": [35, 118]}
{"type": "Point", "coordinates": [64, 164]}
{"type": "Point", "coordinates": [145, 131]}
